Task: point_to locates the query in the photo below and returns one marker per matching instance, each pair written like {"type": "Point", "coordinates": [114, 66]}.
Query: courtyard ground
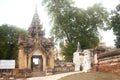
{"type": "Point", "coordinates": [78, 76]}
{"type": "Point", "coordinates": [92, 76]}
{"type": "Point", "coordinates": [53, 77]}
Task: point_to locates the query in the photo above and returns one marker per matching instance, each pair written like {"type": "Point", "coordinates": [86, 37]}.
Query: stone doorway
{"type": "Point", "coordinates": [37, 63]}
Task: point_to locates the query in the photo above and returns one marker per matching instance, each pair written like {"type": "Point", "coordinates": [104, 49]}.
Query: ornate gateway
{"type": "Point", "coordinates": [35, 45]}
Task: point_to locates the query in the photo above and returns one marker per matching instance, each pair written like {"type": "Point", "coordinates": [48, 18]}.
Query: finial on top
{"type": "Point", "coordinates": [78, 47]}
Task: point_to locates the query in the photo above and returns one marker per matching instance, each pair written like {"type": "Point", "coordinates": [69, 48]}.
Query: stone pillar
{"type": "Point", "coordinates": [29, 62]}
{"type": "Point", "coordinates": [87, 61]}
{"type": "Point", "coordinates": [22, 63]}
{"type": "Point", "coordinates": [44, 63]}
{"type": "Point", "coordinates": [39, 64]}
{"type": "Point", "coordinates": [51, 59]}
{"type": "Point", "coordinates": [95, 59]}
{"type": "Point", "coordinates": [95, 66]}
{"type": "Point", "coordinates": [76, 61]}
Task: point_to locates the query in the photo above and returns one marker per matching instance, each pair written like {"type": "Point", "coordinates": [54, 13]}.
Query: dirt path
{"type": "Point", "coordinates": [53, 77]}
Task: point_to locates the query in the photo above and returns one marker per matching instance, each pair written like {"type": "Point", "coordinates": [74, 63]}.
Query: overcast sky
{"type": "Point", "coordinates": [20, 13]}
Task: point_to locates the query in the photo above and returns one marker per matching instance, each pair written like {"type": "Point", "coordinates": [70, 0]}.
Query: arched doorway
{"type": "Point", "coordinates": [37, 63]}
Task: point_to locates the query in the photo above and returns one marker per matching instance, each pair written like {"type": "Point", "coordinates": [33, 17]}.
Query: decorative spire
{"type": "Point", "coordinates": [78, 47]}
{"type": "Point", "coordinates": [35, 20]}
{"type": "Point", "coordinates": [35, 29]}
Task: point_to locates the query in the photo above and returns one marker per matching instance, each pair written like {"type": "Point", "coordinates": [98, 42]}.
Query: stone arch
{"type": "Point", "coordinates": [37, 53]}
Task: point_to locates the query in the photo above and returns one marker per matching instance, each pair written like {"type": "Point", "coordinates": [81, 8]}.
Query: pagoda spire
{"type": "Point", "coordinates": [78, 47]}
{"type": "Point", "coordinates": [35, 29]}
{"type": "Point", "coordinates": [35, 20]}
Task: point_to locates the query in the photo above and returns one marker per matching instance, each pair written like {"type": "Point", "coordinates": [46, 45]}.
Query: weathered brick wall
{"type": "Point", "coordinates": [63, 67]}
{"type": "Point", "coordinates": [108, 67]}
{"type": "Point", "coordinates": [108, 61]}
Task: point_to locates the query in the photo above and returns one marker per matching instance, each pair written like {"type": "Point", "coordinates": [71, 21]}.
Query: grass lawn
{"type": "Point", "coordinates": [92, 76]}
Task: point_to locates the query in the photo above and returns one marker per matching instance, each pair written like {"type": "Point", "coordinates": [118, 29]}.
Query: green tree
{"type": "Point", "coordinates": [8, 41]}
{"type": "Point", "coordinates": [75, 25]}
{"type": "Point", "coordinates": [115, 25]}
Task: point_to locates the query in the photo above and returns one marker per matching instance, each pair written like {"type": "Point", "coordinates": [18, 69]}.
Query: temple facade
{"type": "Point", "coordinates": [35, 45]}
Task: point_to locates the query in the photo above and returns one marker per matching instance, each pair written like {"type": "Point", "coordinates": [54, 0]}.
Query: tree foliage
{"type": "Point", "coordinates": [75, 24]}
{"type": "Point", "coordinates": [8, 41]}
{"type": "Point", "coordinates": [115, 24]}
